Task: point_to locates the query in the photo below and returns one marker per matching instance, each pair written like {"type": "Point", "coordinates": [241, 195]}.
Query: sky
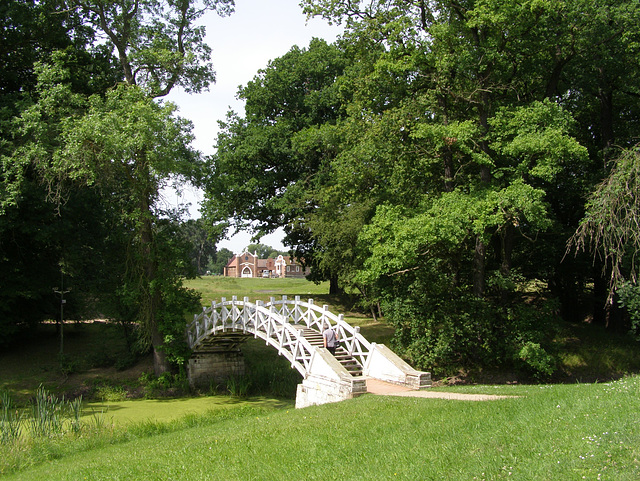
{"type": "Point", "coordinates": [242, 44]}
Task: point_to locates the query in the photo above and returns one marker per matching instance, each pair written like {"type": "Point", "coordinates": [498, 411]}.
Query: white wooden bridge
{"type": "Point", "coordinates": [294, 328]}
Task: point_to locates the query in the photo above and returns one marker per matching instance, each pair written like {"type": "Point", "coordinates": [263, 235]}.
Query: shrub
{"type": "Point", "coordinates": [167, 384]}
{"type": "Point", "coordinates": [629, 298]}
{"type": "Point", "coordinates": [536, 361]}
{"type": "Point", "coordinates": [238, 386]}
{"type": "Point", "coordinates": [10, 419]}
{"type": "Point", "coordinates": [462, 332]}
{"type": "Point", "coordinates": [111, 393]}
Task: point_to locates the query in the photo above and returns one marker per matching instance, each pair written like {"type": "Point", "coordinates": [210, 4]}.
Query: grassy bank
{"type": "Point", "coordinates": [550, 431]}
{"type": "Point", "coordinates": [583, 431]}
{"type": "Point", "coordinates": [216, 287]}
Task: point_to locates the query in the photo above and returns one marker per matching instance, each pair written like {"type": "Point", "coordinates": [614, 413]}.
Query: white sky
{"type": "Point", "coordinates": [258, 31]}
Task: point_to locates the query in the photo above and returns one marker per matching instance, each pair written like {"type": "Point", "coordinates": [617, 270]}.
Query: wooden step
{"type": "Point", "coordinates": [342, 356]}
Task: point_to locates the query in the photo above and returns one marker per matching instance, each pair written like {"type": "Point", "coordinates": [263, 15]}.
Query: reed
{"type": "Point", "coordinates": [10, 419]}
{"type": "Point", "coordinates": [47, 413]}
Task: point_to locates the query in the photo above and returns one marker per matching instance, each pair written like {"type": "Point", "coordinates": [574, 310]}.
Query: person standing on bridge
{"type": "Point", "coordinates": [330, 339]}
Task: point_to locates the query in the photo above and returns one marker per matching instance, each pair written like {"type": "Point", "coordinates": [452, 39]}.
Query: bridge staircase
{"type": "Point", "coordinates": [294, 328]}
{"type": "Point", "coordinates": [349, 362]}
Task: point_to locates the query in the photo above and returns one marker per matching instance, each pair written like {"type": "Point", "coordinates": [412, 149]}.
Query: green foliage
{"type": "Point", "coordinates": [629, 298]}
{"type": "Point", "coordinates": [108, 393]}
{"type": "Point", "coordinates": [79, 128]}
{"type": "Point", "coordinates": [165, 385]}
{"type": "Point", "coordinates": [11, 419]}
{"type": "Point", "coordinates": [203, 249]}
{"type": "Point", "coordinates": [46, 413]}
{"type": "Point", "coordinates": [265, 251]}
{"type": "Point", "coordinates": [238, 386]}
{"type": "Point", "coordinates": [258, 164]}
{"type": "Point", "coordinates": [159, 43]}
{"type": "Point", "coordinates": [609, 227]}
{"type": "Point", "coordinates": [536, 360]}
{"type": "Point", "coordinates": [446, 333]}
{"type": "Point", "coordinates": [52, 416]}
{"type": "Point", "coordinates": [220, 260]}
{"type": "Point", "coordinates": [68, 364]}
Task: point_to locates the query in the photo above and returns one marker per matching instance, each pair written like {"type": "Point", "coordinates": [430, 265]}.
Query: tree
{"type": "Point", "coordinates": [123, 142]}
{"type": "Point", "coordinates": [216, 265]}
{"type": "Point", "coordinates": [203, 249]}
{"type": "Point", "coordinates": [462, 140]}
{"type": "Point", "coordinates": [158, 43]}
{"type": "Point", "coordinates": [253, 174]}
{"type": "Point", "coordinates": [36, 243]}
{"type": "Point", "coordinates": [609, 228]}
{"type": "Point", "coordinates": [264, 251]}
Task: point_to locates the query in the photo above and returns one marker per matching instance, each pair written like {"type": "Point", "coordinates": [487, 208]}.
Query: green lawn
{"type": "Point", "coordinates": [559, 432]}
{"type": "Point", "coordinates": [213, 288]}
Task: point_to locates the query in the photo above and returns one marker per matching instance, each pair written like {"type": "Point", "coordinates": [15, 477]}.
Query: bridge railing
{"type": "Point", "coordinates": [318, 318]}
{"type": "Point", "coordinates": [263, 321]}
{"type": "Point", "coordinates": [278, 318]}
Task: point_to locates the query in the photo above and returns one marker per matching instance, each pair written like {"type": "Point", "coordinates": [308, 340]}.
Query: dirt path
{"type": "Point", "coordinates": [382, 388]}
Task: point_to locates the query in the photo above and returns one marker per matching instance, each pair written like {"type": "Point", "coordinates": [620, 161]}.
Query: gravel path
{"type": "Point", "coordinates": [382, 388]}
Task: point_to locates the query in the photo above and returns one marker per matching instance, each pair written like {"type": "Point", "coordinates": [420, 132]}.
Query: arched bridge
{"type": "Point", "coordinates": [294, 328]}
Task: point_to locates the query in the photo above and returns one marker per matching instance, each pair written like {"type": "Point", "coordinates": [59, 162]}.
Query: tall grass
{"type": "Point", "coordinates": [47, 413]}
{"type": "Point", "coordinates": [49, 416]}
{"type": "Point", "coordinates": [568, 432]}
{"type": "Point", "coordinates": [10, 419]}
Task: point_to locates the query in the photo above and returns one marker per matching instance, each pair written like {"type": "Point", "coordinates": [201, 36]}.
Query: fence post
{"type": "Point", "coordinates": [245, 314]}
{"type": "Point", "coordinates": [296, 310]}
{"type": "Point", "coordinates": [284, 310]}
{"type": "Point", "coordinates": [270, 324]}
{"type": "Point", "coordinates": [234, 312]}
{"type": "Point", "coordinates": [223, 314]}
{"type": "Point", "coordinates": [309, 311]}
{"type": "Point", "coordinates": [259, 303]}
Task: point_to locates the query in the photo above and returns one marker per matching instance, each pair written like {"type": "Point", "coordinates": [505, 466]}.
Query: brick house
{"type": "Point", "coordinates": [249, 265]}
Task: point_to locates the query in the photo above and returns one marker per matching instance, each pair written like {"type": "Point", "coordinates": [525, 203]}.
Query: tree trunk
{"type": "Point", "coordinates": [506, 248]}
{"type": "Point", "coordinates": [154, 299]}
{"type": "Point", "coordinates": [160, 362]}
{"type": "Point", "coordinates": [334, 288]}
{"type": "Point", "coordinates": [606, 122]}
{"type": "Point", "coordinates": [479, 267]}
{"type": "Point", "coordinates": [600, 291]}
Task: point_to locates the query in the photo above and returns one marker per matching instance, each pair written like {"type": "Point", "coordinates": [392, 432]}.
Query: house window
{"type": "Point", "coordinates": [288, 268]}
{"type": "Point", "coordinates": [297, 268]}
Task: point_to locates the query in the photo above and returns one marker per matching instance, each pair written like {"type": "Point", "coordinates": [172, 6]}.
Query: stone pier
{"type": "Point", "coordinates": [216, 362]}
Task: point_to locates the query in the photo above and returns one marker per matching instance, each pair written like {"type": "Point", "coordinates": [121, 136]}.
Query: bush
{"type": "Point", "coordinates": [167, 384]}
{"type": "Point", "coordinates": [536, 361]}
{"type": "Point", "coordinates": [111, 393]}
{"type": "Point", "coordinates": [466, 332]}
{"type": "Point", "coordinates": [629, 298]}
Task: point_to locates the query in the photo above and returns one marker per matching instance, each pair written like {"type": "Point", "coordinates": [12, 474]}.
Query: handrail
{"type": "Point", "coordinates": [319, 318]}
{"type": "Point", "coordinates": [274, 322]}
